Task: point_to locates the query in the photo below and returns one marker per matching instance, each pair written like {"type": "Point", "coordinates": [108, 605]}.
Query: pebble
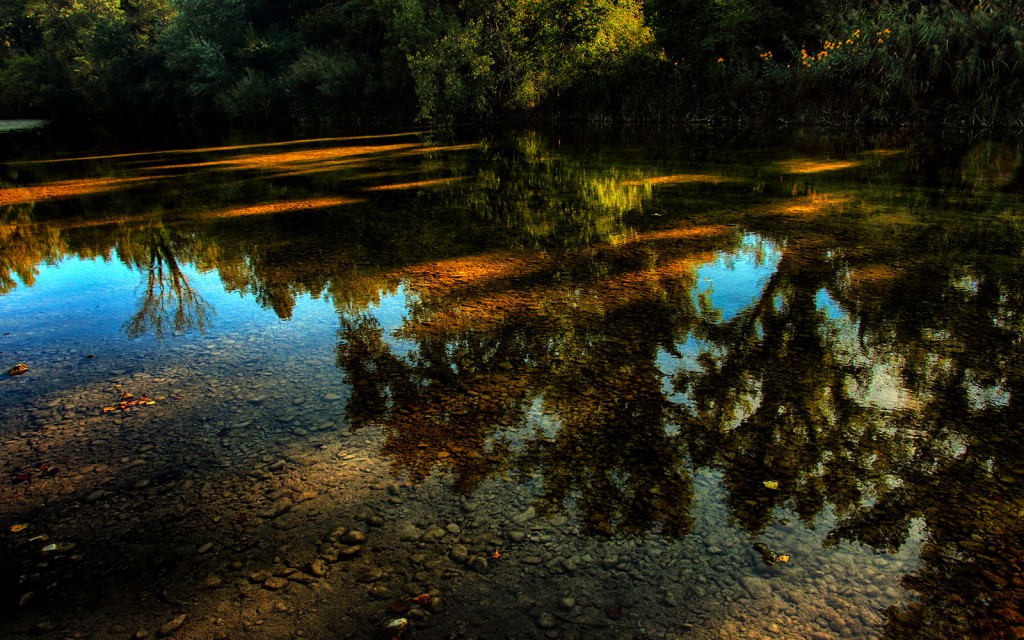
{"type": "Point", "coordinates": [453, 529]}
{"type": "Point", "coordinates": [567, 603]}
{"type": "Point", "coordinates": [318, 568]}
{"type": "Point", "coordinates": [260, 576]}
{"type": "Point", "coordinates": [280, 506]}
{"type": "Point", "coordinates": [353, 537]}
{"type": "Point", "coordinates": [435, 533]}
{"type": "Point", "coordinates": [369, 574]}
{"type": "Point", "coordinates": [459, 553]}
{"type": "Point", "coordinates": [758, 588]}
{"type": "Point", "coordinates": [479, 564]}
{"type": "Point", "coordinates": [171, 626]}
{"type": "Point", "coordinates": [437, 604]}
{"type": "Point", "coordinates": [213, 582]}
{"type": "Point", "coordinates": [525, 516]}
{"type": "Point", "coordinates": [275, 583]}
{"type": "Point", "coordinates": [546, 621]}
{"type": "Point", "coordinates": [408, 531]}
{"type": "Point", "coordinates": [394, 628]}
{"type": "Point", "coordinates": [205, 548]}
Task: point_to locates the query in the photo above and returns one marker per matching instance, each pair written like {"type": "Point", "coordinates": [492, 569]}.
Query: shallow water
{"type": "Point", "coordinates": [525, 385]}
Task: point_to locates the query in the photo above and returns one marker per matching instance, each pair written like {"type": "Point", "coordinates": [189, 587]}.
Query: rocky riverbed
{"type": "Point", "coordinates": [213, 486]}
{"type": "Point", "coordinates": [240, 505]}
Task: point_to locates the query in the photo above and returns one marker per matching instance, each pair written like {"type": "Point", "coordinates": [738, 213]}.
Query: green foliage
{"type": "Point", "coordinates": [33, 85]}
{"type": "Point", "coordinates": [907, 61]}
{"type": "Point", "coordinates": [449, 60]}
{"type": "Point", "coordinates": [254, 99]}
{"type": "Point", "coordinates": [509, 57]}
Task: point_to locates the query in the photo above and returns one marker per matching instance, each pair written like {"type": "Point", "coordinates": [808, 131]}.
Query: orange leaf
{"type": "Point", "coordinates": [15, 528]}
{"type": "Point", "coordinates": [422, 598]}
{"type": "Point", "coordinates": [496, 554]}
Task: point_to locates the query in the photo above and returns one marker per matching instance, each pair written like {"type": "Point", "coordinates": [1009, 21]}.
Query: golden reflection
{"type": "Point", "coordinates": [816, 166]}
{"type": "Point", "coordinates": [284, 206]}
{"type": "Point", "coordinates": [64, 189]}
{"type": "Point", "coordinates": [415, 185]}
{"type": "Point", "coordinates": [680, 178]}
{"type": "Point", "coordinates": [684, 233]}
{"type": "Point", "coordinates": [289, 160]}
{"type": "Point", "coordinates": [472, 271]}
{"type": "Point", "coordinates": [486, 290]}
{"type": "Point", "coordinates": [883, 153]}
{"type": "Point", "coordinates": [815, 204]}
{"type": "Point", "coordinates": [873, 274]}
{"type": "Point", "coordinates": [238, 147]}
{"type": "Point", "coordinates": [424, 149]}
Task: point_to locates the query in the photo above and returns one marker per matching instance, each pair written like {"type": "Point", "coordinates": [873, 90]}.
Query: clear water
{"type": "Point", "coordinates": [568, 386]}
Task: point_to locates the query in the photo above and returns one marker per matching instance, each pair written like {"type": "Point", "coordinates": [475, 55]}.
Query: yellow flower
{"type": "Point", "coordinates": [880, 41]}
{"type": "Point", "coordinates": [885, 31]}
{"type": "Point", "coordinates": [721, 59]}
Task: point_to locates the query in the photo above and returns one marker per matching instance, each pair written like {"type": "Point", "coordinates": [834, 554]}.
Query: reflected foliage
{"type": "Point", "coordinates": [168, 305]}
{"type": "Point", "coordinates": [830, 331]}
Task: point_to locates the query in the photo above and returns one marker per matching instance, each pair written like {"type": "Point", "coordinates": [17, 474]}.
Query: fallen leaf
{"type": "Point", "coordinates": [771, 484]}
{"type": "Point", "coordinates": [422, 598]}
{"type": "Point", "coordinates": [24, 599]}
{"type": "Point", "coordinates": [782, 558]}
{"type": "Point", "coordinates": [496, 554]}
{"type": "Point", "coordinates": [398, 607]}
{"type": "Point", "coordinates": [15, 528]}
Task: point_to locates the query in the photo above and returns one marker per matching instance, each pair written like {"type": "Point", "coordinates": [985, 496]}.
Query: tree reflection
{"type": "Point", "coordinates": [562, 385]}
{"type": "Point", "coordinates": [168, 305]}
{"type": "Point", "coordinates": [876, 374]}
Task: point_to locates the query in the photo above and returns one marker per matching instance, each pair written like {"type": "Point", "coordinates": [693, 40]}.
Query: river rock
{"type": "Point", "coordinates": [280, 506]}
{"type": "Point", "coordinates": [525, 516]}
{"type": "Point", "coordinates": [408, 531]}
{"type": "Point", "coordinates": [546, 621]}
{"type": "Point", "coordinates": [459, 553]}
{"type": "Point", "coordinates": [171, 626]}
{"type": "Point", "coordinates": [478, 564]}
{"type": "Point", "coordinates": [368, 574]}
{"type": "Point", "coordinates": [318, 568]}
{"type": "Point", "coordinates": [275, 583]}
{"type": "Point", "coordinates": [758, 588]}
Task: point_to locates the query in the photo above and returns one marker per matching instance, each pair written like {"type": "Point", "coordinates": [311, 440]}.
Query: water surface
{"type": "Point", "coordinates": [559, 386]}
